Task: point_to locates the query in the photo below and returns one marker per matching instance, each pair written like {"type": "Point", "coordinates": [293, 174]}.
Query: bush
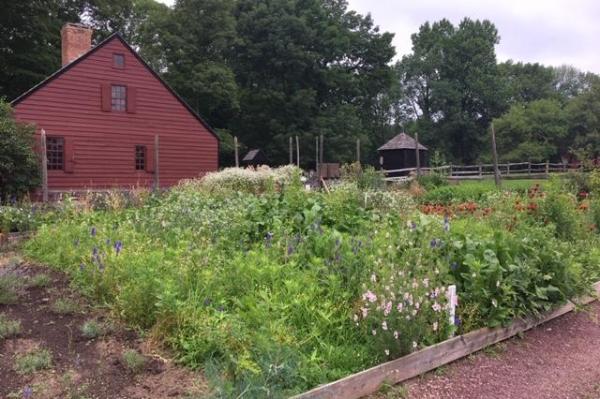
{"type": "Point", "coordinates": [247, 180]}
{"type": "Point", "coordinates": [19, 165]}
{"type": "Point", "coordinates": [39, 359]}
{"type": "Point", "coordinates": [365, 177]}
{"type": "Point", "coordinates": [432, 181]}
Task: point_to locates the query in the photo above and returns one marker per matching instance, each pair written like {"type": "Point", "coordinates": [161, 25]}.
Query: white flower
{"type": "Point", "coordinates": [374, 278]}
{"type": "Point", "coordinates": [425, 282]}
{"type": "Point", "coordinates": [387, 352]}
{"type": "Point", "coordinates": [384, 325]}
{"type": "Point", "coordinates": [396, 334]}
{"type": "Point", "coordinates": [494, 303]}
{"type": "Point", "coordinates": [435, 326]}
{"type": "Point", "coordinates": [374, 332]}
{"type": "Point", "coordinates": [498, 283]}
{"type": "Point", "coordinates": [414, 344]}
{"type": "Point", "coordinates": [355, 317]}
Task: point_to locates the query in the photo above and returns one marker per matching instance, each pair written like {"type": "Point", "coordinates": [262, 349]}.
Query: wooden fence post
{"type": "Point", "coordinates": [44, 167]}
{"type": "Point", "coordinates": [358, 150]}
{"type": "Point", "coordinates": [418, 159]}
{"type": "Point", "coordinates": [547, 168]}
{"type": "Point", "coordinates": [529, 168]}
{"type": "Point", "coordinates": [156, 163]}
{"type": "Point", "coordinates": [450, 170]}
{"type": "Point", "coordinates": [317, 155]}
{"type": "Point", "coordinates": [495, 158]}
{"type": "Point", "coordinates": [237, 155]}
{"type": "Point", "coordinates": [297, 152]}
{"type": "Point", "coordinates": [291, 152]}
{"type": "Point", "coordinates": [480, 170]}
{"type": "Point", "coordinates": [321, 151]}
{"type": "Point", "coordinates": [508, 169]}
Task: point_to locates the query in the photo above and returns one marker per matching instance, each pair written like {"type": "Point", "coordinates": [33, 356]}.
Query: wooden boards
{"type": "Point", "coordinates": [368, 381]}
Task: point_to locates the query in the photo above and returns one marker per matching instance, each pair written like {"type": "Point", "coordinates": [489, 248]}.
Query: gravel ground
{"type": "Point", "coordinates": [557, 360]}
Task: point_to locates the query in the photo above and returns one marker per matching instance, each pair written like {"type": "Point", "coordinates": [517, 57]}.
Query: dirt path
{"type": "Point", "coordinates": [50, 356]}
{"type": "Point", "coordinates": [557, 360]}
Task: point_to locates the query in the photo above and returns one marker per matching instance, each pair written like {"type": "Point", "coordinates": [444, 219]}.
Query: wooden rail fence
{"type": "Point", "coordinates": [480, 171]}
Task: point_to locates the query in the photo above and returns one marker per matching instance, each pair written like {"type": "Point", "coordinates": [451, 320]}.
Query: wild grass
{"type": "Point", "coordinates": [133, 360]}
{"type": "Point", "coordinates": [8, 328]}
{"type": "Point", "coordinates": [65, 306]}
{"type": "Point", "coordinates": [39, 359]}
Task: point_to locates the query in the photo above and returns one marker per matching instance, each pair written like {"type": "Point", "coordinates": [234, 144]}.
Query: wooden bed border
{"type": "Point", "coordinates": [369, 381]}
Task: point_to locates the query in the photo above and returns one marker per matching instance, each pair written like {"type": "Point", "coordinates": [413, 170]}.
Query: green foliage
{"type": "Point", "coordinates": [19, 168]}
{"type": "Point", "coordinates": [453, 78]}
{"type": "Point", "coordinates": [432, 181]}
{"type": "Point", "coordinates": [133, 361]}
{"type": "Point", "coordinates": [264, 291]}
{"type": "Point", "coordinates": [65, 306]}
{"type": "Point", "coordinates": [10, 288]}
{"type": "Point", "coordinates": [534, 132]}
{"type": "Point", "coordinates": [35, 360]}
{"type": "Point", "coordinates": [92, 329]}
{"type": "Point", "coordinates": [39, 281]}
{"type": "Point", "coordinates": [365, 177]}
{"type": "Point", "coordinates": [8, 328]}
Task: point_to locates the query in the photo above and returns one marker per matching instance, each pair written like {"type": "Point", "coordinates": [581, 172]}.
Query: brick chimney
{"type": "Point", "coordinates": [76, 39]}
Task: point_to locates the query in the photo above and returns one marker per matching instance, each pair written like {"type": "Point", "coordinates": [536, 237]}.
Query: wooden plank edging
{"type": "Point", "coordinates": [368, 381]}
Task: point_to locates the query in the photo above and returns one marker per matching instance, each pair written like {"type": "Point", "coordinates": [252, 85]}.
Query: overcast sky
{"type": "Point", "coordinates": [552, 32]}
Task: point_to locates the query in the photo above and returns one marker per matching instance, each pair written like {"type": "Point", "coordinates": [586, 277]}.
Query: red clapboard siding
{"type": "Point", "coordinates": [100, 143]}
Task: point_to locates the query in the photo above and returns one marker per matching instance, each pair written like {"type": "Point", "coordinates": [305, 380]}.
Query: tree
{"type": "Point", "coordinates": [583, 113]}
{"type": "Point", "coordinates": [19, 166]}
{"type": "Point", "coordinates": [454, 86]}
{"type": "Point", "coordinates": [537, 131]}
{"type": "Point", "coordinates": [528, 82]}
{"type": "Point", "coordinates": [308, 67]}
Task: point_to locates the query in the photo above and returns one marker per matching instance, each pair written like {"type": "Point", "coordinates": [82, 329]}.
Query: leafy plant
{"type": "Point", "coordinates": [133, 361]}
{"type": "Point", "coordinates": [8, 328]}
{"type": "Point", "coordinates": [35, 360]}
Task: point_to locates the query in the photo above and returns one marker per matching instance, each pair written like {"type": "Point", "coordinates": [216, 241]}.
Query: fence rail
{"type": "Point", "coordinates": [480, 171]}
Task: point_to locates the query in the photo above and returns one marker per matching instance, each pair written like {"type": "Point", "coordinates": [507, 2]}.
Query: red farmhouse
{"type": "Point", "coordinates": [101, 112]}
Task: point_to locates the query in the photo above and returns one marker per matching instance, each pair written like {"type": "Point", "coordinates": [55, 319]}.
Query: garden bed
{"type": "Point", "coordinates": [277, 291]}
{"type": "Point", "coordinates": [369, 381]}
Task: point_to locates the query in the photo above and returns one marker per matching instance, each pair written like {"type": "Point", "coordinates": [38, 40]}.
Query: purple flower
{"type": "Point", "coordinates": [207, 301]}
{"type": "Point", "coordinates": [108, 241]}
{"type": "Point", "coordinates": [93, 232]}
{"type": "Point", "coordinates": [95, 251]}
{"type": "Point", "coordinates": [118, 246]}
{"type": "Point", "coordinates": [457, 321]}
{"type": "Point", "coordinates": [27, 392]}
{"type": "Point", "coordinates": [446, 223]}
{"type": "Point", "coordinates": [433, 243]}
{"type": "Point", "coordinates": [413, 226]}
{"type": "Point", "coordinates": [290, 250]}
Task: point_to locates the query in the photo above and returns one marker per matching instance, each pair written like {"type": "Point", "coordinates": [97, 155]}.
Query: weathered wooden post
{"type": "Point", "coordinates": [450, 170]}
{"type": "Point", "coordinates": [297, 152]}
{"type": "Point", "coordinates": [156, 163]}
{"type": "Point", "coordinates": [418, 158]}
{"type": "Point", "coordinates": [322, 139]}
{"type": "Point", "coordinates": [44, 165]}
{"type": "Point", "coordinates": [529, 168]}
{"type": "Point", "coordinates": [480, 170]}
{"type": "Point", "coordinates": [358, 150]}
{"type": "Point", "coordinates": [291, 152]}
{"type": "Point", "coordinates": [495, 158]}
{"type": "Point", "coordinates": [317, 155]}
{"type": "Point", "coordinates": [236, 151]}
{"type": "Point", "coordinates": [508, 169]}
{"type": "Point", "coordinates": [547, 169]}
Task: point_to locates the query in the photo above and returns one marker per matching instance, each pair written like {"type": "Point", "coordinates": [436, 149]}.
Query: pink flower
{"type": "Point", "coordinates": [369, 296]}
{"type": "Point", "coordinates": [400, 306]}
{"type": "Point", "coordinates": [436, 307]}
{"type": "Point", "coordinates": [388, 308]}
{"type": "Point", "coordinates": [365, 312]}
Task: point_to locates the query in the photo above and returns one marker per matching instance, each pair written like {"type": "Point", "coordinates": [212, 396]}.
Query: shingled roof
{"type": "Point", "coordinates": [401, 142]}
{"type": "Point", "coordinates": [251, 155]}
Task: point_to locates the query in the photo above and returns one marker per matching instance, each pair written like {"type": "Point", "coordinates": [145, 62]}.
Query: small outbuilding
{"type": "Point", "coordinates": [400, 153]}
{"type": "Point", "coordinates": [255, 158]}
